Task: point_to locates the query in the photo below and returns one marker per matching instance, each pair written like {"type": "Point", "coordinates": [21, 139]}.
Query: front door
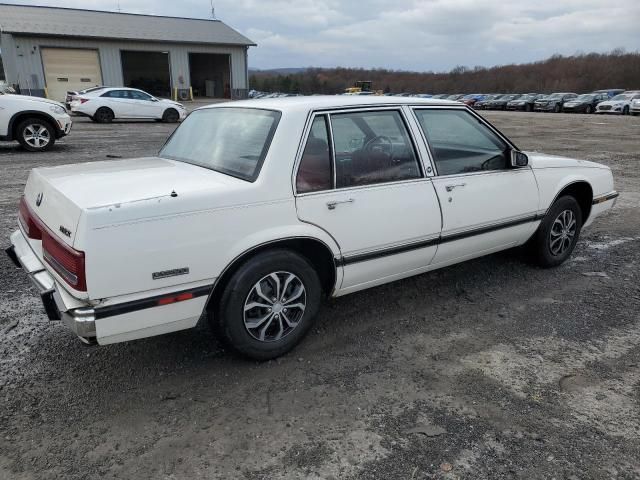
{"type": "Point", "coordinates": [360, 180]}
{"type": "Point", "coordinates": [143, 105]}
{"type": "Point", "coordinates": [487, 205]}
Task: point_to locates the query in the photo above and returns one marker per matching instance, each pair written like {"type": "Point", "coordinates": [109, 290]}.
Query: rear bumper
{"type": "Point", "coordinates": [79, 318]}
{"type": "Point", "coordinates": [111, 320]}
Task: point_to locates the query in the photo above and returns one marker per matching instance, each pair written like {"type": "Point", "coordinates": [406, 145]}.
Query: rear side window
{"type": "Point", "coordinates": [461, 143]}
{"type": "Point", "coordinates": [372, 147]}
{"type": "Point", "coordinates": [315, 171]}
{"type": "Point", "coordinates": [116, 94]}
{"type": "Point", "coordinates": [229, 140]}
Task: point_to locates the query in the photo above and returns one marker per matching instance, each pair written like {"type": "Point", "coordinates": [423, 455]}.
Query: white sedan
{"type": "Point", "coordinates": [254, 211]}
{"type": "Point", "coordinates": [620, 104]}
{"type": "Point", "coordinates": [107, 104]}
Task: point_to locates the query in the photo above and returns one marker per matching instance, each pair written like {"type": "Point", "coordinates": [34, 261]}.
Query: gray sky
{"type": "Point", "coordinates": [406, 34]}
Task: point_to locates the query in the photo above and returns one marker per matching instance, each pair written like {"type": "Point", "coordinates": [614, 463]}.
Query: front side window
{"type": "Point", "coordinates": [315, 172]}
{"type": "Point", "coordinates": [229, 140]}
{"type": "Point", "coordinates": [136, 95]}
{"type": "Point", "coordinates": [372, 147]}
{"type": "Point", "coordinates": [461, 143]}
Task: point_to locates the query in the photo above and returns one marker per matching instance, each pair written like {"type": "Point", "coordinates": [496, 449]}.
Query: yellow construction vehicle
{"type": "Point", "coordinates": [362, 87]}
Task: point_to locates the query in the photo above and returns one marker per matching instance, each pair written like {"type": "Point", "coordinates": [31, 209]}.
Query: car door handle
{"type": "Point", "coordinates": [450, 188]}
{"type": "Point", "coordinates": [332, 205]}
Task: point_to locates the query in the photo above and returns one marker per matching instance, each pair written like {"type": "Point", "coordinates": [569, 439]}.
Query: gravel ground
{"type": "Point", "coordinates": [489, 369]}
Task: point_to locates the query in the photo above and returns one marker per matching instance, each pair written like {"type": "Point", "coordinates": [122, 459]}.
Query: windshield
{"type": "Point", "coordinates": [622, 96]}
{"type": "Point", "coordinates": [228, 140]}
{"type": "Point", "coordinates": [554, 96]}
{"type": "Point", "coordinates": [585, 97]}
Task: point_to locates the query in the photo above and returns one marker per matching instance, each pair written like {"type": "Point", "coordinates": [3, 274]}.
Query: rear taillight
{"type": "Point", "coordinates": [66, 261]}
{"type": "Point", "coordinates": [83, 100]}
{"type": "Point", "coordinates": [28, 221]}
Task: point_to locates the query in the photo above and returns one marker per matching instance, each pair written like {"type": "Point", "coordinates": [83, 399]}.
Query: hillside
{"type": "Point", "coordinates": [577, 73]}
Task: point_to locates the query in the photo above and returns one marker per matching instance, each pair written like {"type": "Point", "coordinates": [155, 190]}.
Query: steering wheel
{"type": "Point", "coordinates": [379, 145]}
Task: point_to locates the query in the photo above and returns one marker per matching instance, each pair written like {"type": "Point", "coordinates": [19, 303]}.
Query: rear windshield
{"type": "Point", "coordinates": [229, 140]}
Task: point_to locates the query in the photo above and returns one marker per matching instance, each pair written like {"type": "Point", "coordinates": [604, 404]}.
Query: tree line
{"type": "Point", "coordinates": [577, 73]}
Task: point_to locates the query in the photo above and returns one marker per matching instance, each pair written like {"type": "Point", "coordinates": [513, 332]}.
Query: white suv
{"type": "Point", "coordinates": [33, 121]}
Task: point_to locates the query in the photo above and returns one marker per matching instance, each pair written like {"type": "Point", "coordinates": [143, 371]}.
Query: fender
{"type": "Point", "coordinates": [26, 113]}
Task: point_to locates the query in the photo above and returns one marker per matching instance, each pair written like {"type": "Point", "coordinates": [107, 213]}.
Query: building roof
{"type": "Point", "coordinates": [70, 22]}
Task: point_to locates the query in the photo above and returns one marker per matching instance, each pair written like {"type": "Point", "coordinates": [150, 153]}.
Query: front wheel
{"type": "Point", "coordinates": [36, 135]}
{"type": "Point", "coordinates": [268, 305]}
{"type": "Point", "coordinates": [171, 115]}
{"type": "Point", "coordinates": [558, 233]}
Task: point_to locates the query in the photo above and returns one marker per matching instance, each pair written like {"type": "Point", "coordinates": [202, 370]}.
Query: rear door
{"type": "Point", "coordinates": [360, 178]}
{"type": "Point", "coordinates": [486, 204]}
{"type": "Point", "coordinates": [119, 102]}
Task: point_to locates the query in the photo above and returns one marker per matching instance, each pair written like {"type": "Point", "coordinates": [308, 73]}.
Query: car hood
{"type": "Point", "coordinates": [540, 160]}
{"type": "Point", "coordinates": [171, 103]}
{"type": "Point", "coordinates": [34, 100]}
{"type": "Point", "coordinates": [615, 103]}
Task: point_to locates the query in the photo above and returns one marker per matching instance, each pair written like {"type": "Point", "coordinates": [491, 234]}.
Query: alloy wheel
{"type": "Point", "coordinates": [563, 231]}
{"type": "Point", "coordinates": [274, 307]}
{"type": "Point", "coordinates": [36, 135]}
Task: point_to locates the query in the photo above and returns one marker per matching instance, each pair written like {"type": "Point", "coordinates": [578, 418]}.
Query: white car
{"type": "Point", "coordinates": [634, 109]}
{"type": "Point", "coordinates": [620, 104]}
{"type": "Point", "coordinates": [34, 122]}
{"type": "Point", "coordinates": [255, 210]}
{"type": "Point", "coordinates": [106, 104]}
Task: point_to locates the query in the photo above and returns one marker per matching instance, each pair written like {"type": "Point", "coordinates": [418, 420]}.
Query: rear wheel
{"type": "Point", "coordinates": [104, 115]}
{"type": "Point", "coordinates": [557, 108]}
{"type": "Point", "coordinates": [170, 115]}
{"type": "Point", "coordinates": [625, 110]}
{"type": "Point", "coordinates": [558, 233]}
{"type": "Point", "coordinates": [527, 108]}
{"type": "Point", "coordinates": [589, 109]}
{"type": "Point", "coordinates": [268, 305]}
{"type": "Point", "coordinates": [36, 135]}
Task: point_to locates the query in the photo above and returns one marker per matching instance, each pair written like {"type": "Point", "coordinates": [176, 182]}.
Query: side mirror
{"type": "Point", "coordinates": [519, 159]}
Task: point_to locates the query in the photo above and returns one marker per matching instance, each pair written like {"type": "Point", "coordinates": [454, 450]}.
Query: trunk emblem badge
{"type": "Point", "coordinates": [39, 199]}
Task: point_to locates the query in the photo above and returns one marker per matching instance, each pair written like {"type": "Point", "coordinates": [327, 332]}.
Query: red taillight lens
{"type": "Point", "coordinates": [83, 100]}
{"type": "Point", "coordinates": [28, 221]}
{"type": "Point", "coordinates": [68, 262]}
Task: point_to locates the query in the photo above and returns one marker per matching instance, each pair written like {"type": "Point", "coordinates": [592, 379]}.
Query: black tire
{"type": "Point", "coordinates": [557, 108]}
{"type": "Point", "coordinates": [36, 135]}
{"type": "Point", "coordinates": [170, 115]}
{"type": "Point", "coordinates": [229, 317]}
{"type": "Point", "coordinates": [588, 109]}
{"type": "Point", "coordinates": [540, 245]}
{"type": "Point", "coordinates": [104, 115]}
{"type": "Point", "coordinates": [527, 108]}
{"type": "Point", "coordinates": [625, 110]}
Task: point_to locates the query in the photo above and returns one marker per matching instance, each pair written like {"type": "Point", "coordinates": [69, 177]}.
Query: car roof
{"type": "Point", "coordinates": [324, 102]}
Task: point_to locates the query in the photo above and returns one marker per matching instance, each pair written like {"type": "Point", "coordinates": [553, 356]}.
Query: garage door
{"type": "Point", "coordinates": [70, 69]}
